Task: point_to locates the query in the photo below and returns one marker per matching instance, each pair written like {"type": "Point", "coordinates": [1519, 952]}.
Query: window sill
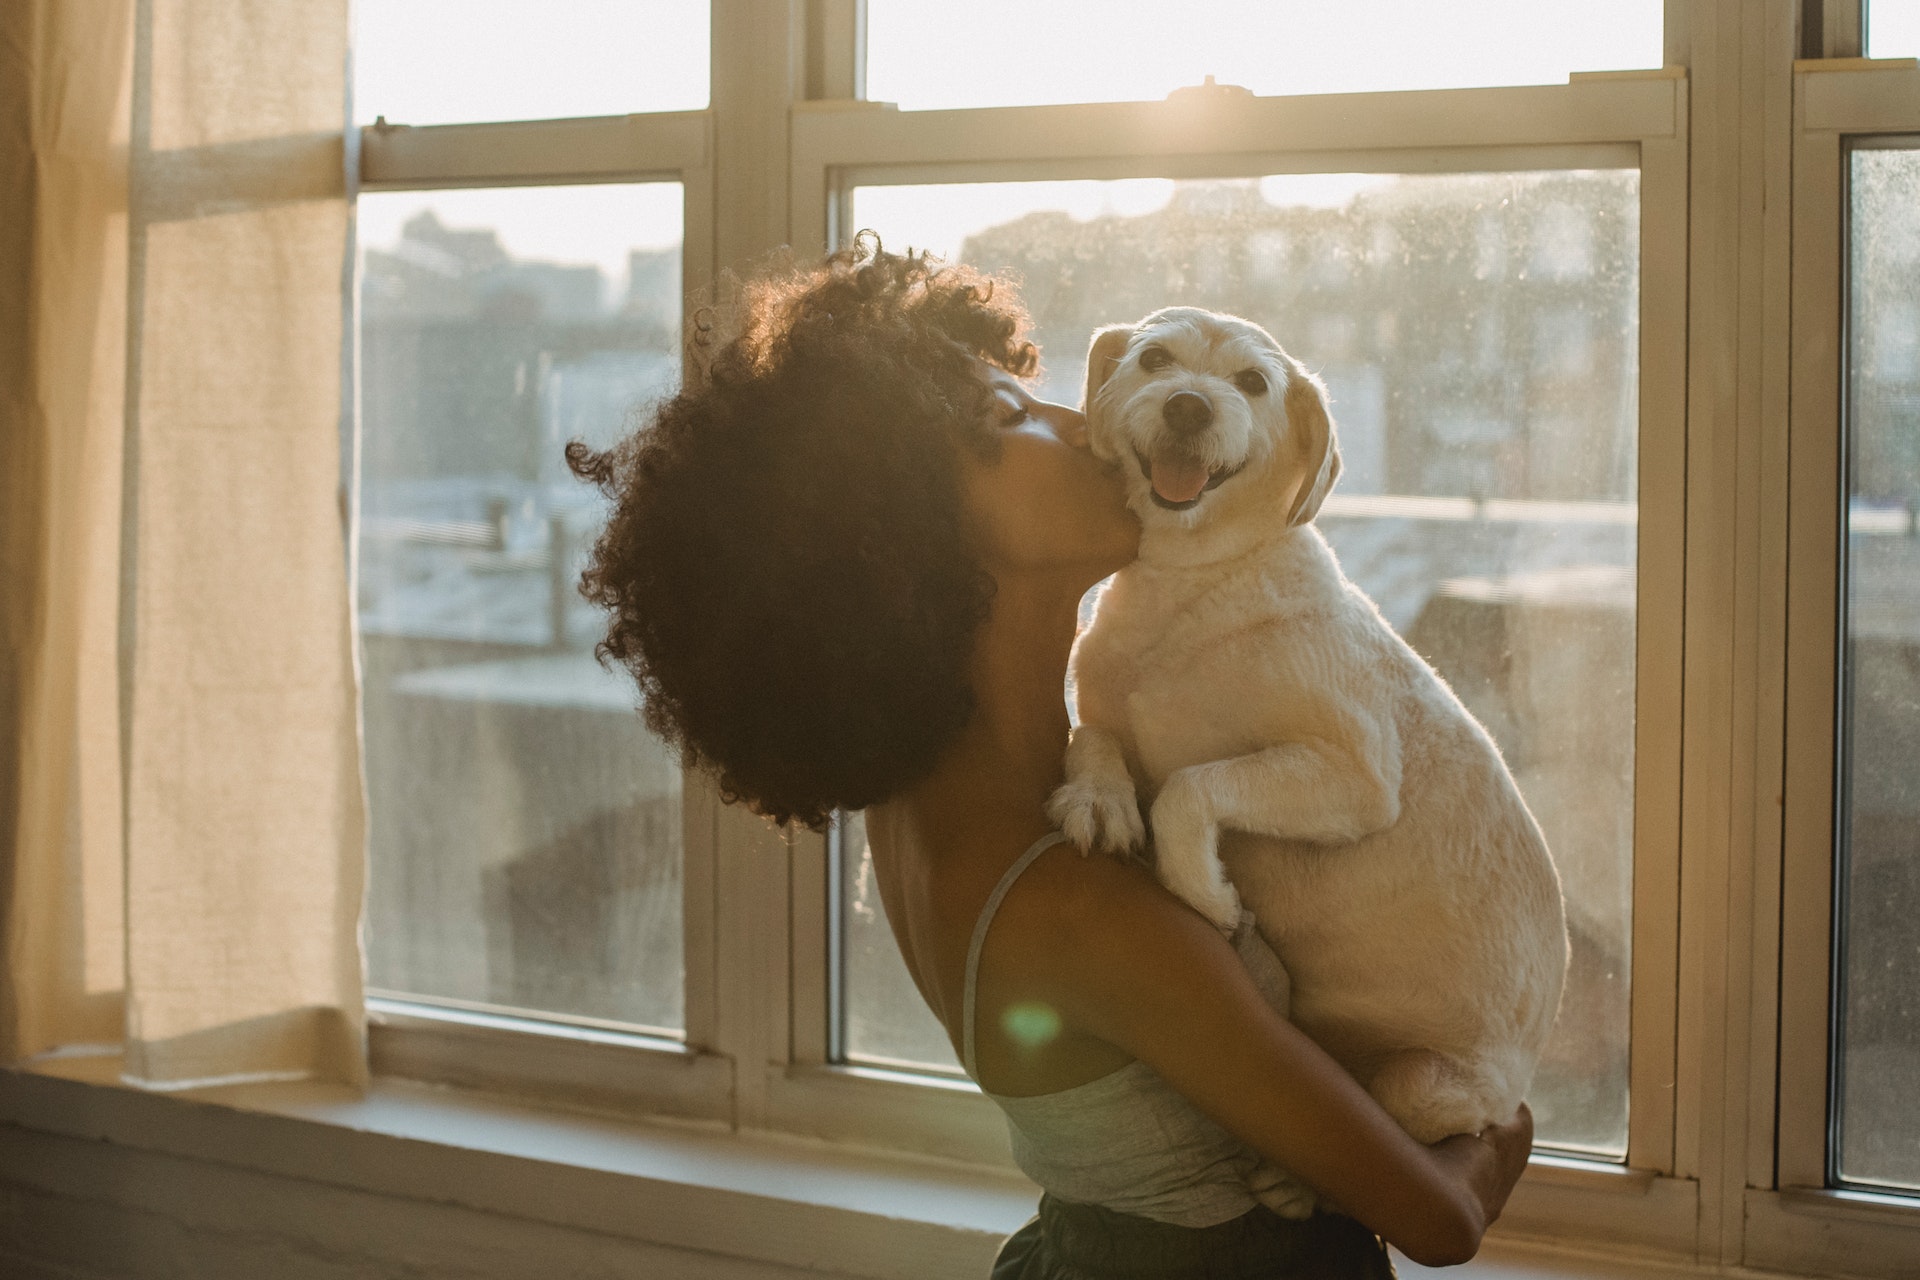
{"type": "Point", "coordinates": [770, 1204]}
{"type": "Point", "coordinates": [545, 1065]}
{"type": "Point", "coordinates": [762, 1200]}
{"type": "Point", "coordinates": [1829, 1232]}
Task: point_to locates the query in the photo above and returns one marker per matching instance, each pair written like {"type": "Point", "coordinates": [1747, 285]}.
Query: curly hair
{"type": "Point", "coordinates": [787, 567]}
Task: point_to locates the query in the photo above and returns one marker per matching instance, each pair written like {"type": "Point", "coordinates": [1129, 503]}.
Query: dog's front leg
{"type": "Point", "coordinates": [1302, 791]}
{"type": "Point", "coordinates": [1186, 848]}
{"type": "Point", "coordinates": [1096, 806]}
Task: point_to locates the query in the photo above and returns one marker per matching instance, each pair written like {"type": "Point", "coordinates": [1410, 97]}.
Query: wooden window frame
{"type": "Point", "coordinates": [562, 1060]}
{"type": "Point", "coordinates": [1801, 1220]}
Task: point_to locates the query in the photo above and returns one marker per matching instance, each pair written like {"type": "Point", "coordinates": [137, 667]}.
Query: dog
{"type": "Point", "coordinates": [1291, 750]}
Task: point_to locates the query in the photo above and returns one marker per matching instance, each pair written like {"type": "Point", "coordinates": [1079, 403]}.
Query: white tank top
{"type": "Point", "coordinates": [1126, 1141]}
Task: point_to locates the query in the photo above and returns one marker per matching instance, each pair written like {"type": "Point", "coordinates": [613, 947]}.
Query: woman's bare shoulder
{"type": "Point", "coordinates": [1104, 941]}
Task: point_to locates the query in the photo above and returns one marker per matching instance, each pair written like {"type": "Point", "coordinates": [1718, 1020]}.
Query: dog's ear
{"type": "Point", "coordinates": [1103, 356]}
{"type": "Point", "coordinates": [1312, 425]}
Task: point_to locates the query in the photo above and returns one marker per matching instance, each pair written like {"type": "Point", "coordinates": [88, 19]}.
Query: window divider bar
{"type": "Point", "coordinates": [700, 795]}
{"type": "Point", "coordinates": [1832, 106]}
{"type": "Point", "coordinates": [1839, 27]}
{"type": "Point", "coordinates": [1756, 814]}
{"type": "Point", "coordinates": [1658, 674]}
{"type": "Point", "coordinates": [1812, 693]}
{"type": "Point", "coordinates": [535, 152]}
{"type": "Point", "coordinates": [1597, 110]}
{"type": "Point", "coordinates": [1510, 159]}
{"type": "Point", "coordinates": [815, 967]}
{"type": "Point", "coordinates": [836, 49]}
{"type": "Point", "coordinates": [1859, 95]}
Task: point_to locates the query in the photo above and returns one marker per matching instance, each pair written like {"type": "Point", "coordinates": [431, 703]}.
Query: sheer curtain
{"type": "Point", "coordinates": [184, 830]}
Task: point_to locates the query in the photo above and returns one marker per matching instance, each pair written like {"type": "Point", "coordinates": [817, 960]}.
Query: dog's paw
{"type": "Point", "coordinates": [1281, 1192]}
{"type": "Point", "coordinates": [1099, 818]}
{"type": "Point", "coordinates": [1218, 902]}
{"type": "Point", "coordinates": [1186, 852]}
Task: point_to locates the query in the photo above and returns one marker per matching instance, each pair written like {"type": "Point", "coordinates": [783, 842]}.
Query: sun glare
{"type": "Point", "coordinates": [925, 54]}
{"type": "Point", "coordinates": [1893, 29]}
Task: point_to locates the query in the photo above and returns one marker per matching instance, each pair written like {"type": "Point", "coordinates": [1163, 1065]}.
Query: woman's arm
{"type": "Point", "coordinates": [1124, 960]}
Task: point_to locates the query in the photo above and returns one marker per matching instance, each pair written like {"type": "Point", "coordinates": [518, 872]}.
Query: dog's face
{"type": "Point", "coordinates": [1206, 415]}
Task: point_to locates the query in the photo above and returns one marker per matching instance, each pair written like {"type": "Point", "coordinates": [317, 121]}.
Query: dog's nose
{"type": "Point", "coordinates": [1187, 412]}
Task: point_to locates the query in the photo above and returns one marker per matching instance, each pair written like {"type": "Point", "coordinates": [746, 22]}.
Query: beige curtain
{"type": "Point", "coordinates": [179, 693]}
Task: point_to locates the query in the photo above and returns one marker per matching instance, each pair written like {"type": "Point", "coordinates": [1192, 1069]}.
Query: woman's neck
{"type": "Point", "coordinates": [995, 779]}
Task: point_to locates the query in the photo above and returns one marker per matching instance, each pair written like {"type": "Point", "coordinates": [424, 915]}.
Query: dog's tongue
{"type": "Point", "coordinates": [1177, 480]}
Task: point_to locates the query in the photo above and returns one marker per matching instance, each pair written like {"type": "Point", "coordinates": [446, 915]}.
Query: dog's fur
{"type": "Point", "coordinates": [1292, 747]}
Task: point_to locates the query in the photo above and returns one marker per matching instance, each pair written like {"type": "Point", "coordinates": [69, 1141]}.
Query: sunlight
{"type": "Point", "coordinates": [1893, 29]}
{"type": "Point", "coordinates": [926, 54]}
{"type": "Point", "coordinates": [441, 61]}
{"type": "Point", "coordinates": [446, 61]}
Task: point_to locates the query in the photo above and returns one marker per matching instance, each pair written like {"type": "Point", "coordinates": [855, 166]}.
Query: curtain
{"type": "Point", "coordinates": [184, 860]}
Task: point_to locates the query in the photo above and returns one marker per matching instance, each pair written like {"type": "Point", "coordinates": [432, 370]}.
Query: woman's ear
{"type": "Point", "coordinates": [1312, 426]}
{"type": "Point", "coordinates": [1103, 356]}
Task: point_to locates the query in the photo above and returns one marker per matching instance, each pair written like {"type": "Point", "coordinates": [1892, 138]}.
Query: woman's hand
{"type": "Point", "coordinates": [1491, 1162]}
{"type": "Point", "coordinates": [1480, 1170]}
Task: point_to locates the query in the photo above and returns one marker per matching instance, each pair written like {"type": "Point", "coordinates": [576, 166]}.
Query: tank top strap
{"type": "Point", "coordinates": [987, 912]}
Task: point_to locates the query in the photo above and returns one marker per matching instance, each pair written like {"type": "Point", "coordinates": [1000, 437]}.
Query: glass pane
{"type": "Point", "coordinates": [987, 53]}
{"type": "Point", "coordinates": [1479, 336]}
{"type": "Point", "coordinates": [886, 1022]}
{"type": "Point", "coordinates": [445, 61]}
{"type": "Point", "coordinates": [1878, 909]}
{"type": "Point", "coordinates": [1893, 28]}
{"type": "Point", "coordinates": [525, 826]}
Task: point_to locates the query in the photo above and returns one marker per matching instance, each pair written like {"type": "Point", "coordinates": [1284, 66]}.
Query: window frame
{"type": "Point", "coordinates": [1610, 120]}
{"type": "Point", "coordinates": [1836, 102]}
{"type": "Point", "coordinates": [558, 1060]}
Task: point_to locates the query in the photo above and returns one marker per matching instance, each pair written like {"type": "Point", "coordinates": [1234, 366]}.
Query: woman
{"type": "Point", "coordinates": [844, 568]}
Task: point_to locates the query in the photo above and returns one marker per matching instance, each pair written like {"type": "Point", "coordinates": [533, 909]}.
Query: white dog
{"type": "Point", "coordinates": [1236, 682]}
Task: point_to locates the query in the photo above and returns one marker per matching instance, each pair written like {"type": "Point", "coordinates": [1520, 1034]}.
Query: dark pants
{"type": "Point", "coordinates": [1085, 1242]}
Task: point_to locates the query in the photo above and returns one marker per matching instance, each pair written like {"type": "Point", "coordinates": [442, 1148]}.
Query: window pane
{"type": "Point", "coordinates": [1893, 28]}
{"type": "Point", "coordinates": [445, 61]}
{"type": "Point", "coordinates": [1479, 336]}
{"type": "Point", "coordinates": [987, 53]}
{"type": "Point", "coordinates": [525, 826]}
{"type": "Point", "coordinates": [885, 1021]}
{"type": "Point", "coordinates": [1878, 909]}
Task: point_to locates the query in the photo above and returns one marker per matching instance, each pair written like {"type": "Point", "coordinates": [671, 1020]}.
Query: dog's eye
{"type": "Point", "coordinates": [1251, 381]}
{"type": "Point", "coordinates": [1154, 359]}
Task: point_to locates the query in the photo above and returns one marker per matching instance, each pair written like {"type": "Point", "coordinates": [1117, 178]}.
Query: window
{"type": "Point", "coordinates": [525, 826]}
{"type": "Point", "coordinates": [1492, 306]}
{"type": "Point", "coordinates": [1848, 1025]}
{"type": "Point", "coordinates": [520, 284]}
{"type": "Point", "coordinates": [1626, 384]}
{"type": "Point", "coordinates": [1877, 916]}
{"type": "Point", "coordinates": [1487, 407]}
